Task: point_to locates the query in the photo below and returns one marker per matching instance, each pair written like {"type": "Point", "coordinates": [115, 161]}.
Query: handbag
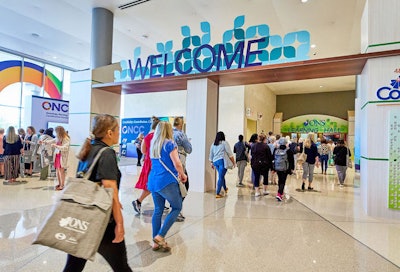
{"type": "Point", "coordinates": [302, 157]}
{"type": "Point", "coordinates": [227, 161]}
{"type": "Point", "coordinates": [77, 222]}
{"type": "Point", "coordinates": [182, 187]}
{"type": "Point", "coordinates": [349, 163]}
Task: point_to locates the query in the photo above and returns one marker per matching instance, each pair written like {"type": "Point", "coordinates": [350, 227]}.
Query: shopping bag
{"type": "Point", "coordinates": [77, 223]}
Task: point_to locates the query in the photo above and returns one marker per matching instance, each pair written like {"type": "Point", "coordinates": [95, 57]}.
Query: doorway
{"type": "Point", "coordinates": [251, 128]}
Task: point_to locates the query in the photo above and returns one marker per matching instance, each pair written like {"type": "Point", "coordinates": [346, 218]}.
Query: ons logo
{"type": "Point", "coordinates": [74, 224]}
{"type": "Point", "coordinates": [390, 93]}
{"type": "Point", "coordinates": [55, 106]}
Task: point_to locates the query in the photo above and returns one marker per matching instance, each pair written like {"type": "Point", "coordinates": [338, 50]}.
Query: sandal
{"type": "Point", "coordinates": [59, 188]}
{"type": "Point", "coordinates": [162, 245]}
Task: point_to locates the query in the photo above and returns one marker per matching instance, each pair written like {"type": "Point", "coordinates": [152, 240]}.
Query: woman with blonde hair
{"type": "Point", "coordinates": [12, 145]}
{"type": "Point", "coordinates": [311, 150]}
{"type": "Point", "coordinates": [61, 145]}
{"type": "Point", "coordinates": [105, 129]}
{"type": "Point", "coordinates": [163, 184]}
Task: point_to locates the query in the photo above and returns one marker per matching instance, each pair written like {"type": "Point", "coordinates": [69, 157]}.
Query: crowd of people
{"type": "Point", "coordinates": [164, 151]}
{"type": "Point", "coordinates": [23, 153]}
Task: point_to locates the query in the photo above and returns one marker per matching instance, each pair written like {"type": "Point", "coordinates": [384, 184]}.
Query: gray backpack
{"type": "Point", "coordinates": [281, 162]}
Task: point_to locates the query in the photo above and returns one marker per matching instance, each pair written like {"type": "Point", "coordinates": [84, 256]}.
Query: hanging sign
{"type": "Point", "coordinates": [240, 47]}
{"type": "Point", "coordinates": [315, 123]}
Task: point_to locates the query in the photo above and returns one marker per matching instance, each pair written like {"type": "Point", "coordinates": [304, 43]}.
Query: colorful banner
{"type": "Point", "coordinates": [315, 123]}
{"type": "Point", "coordinates": [47, 110]}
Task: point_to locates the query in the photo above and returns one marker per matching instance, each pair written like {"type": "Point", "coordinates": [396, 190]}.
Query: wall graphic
{"type": "Point", "coordinates": [240, 47]}
{"type": "Point", "coordinates": [394, 160]}
{"type": "Point", "coordinates": [12, 70]}
{"type": "Point", "coordinates": [315, 123]}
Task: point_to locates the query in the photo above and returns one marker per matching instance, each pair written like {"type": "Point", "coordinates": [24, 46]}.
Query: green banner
{"type": "Point", "coordinates": [394, 160]}
{"type": "Point", "coordinates": [316, 123]}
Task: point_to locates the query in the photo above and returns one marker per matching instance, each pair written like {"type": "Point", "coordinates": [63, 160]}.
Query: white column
{"type": "Point", "coordinates": [201, 127]}
{"type": "Point", "coordinates": [378, 28]}
{"type": "Point", "coordinates": [79, 115]}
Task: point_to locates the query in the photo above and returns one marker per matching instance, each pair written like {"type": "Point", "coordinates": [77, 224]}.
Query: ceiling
{"type": "Point", "coordinates": [60, 31]}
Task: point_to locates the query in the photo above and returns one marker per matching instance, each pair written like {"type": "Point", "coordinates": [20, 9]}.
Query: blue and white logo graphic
{"type": "Point", "coordinates": [241, 47]}
{"type": "Point", "coordinates": [390, 93]}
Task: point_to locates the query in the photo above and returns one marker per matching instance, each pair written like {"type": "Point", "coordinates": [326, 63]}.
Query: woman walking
{"type": "Point", "coordinates": [105, 129]}
{"type": "Point", "coordinates": [12, 145]}
{"type": "Point", "coordinates": [61, 150]}
{"type": "Point", "coordinates": [340, 153]}
{"type": "Point", "coordinates": [261, 163]}
{"type": "Point", "coordinates": [163, 185]}
{"type": "Point", "coordinates": [311, 150]}
{"type": "Point", "coordinates": [324, 151]}
{"type": "Point", "coordinates": [29, 144]}
{"type": "Point", "coordinates": [217, 154]}
{"type": "Point", "coordinates": [138, 144]}
{"type": "Point", "coordinates": [144, 174]}
{"type": "Point", "coordinates": [283, 165]}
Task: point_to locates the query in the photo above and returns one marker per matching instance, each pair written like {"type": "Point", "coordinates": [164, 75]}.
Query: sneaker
{"type": "Point", "coordinates": [303, 187]}
{"type": "Point", "coordinates": [341, 185]}
{"type": "Point", "coordinates": [219, 196]}
{"type": "Point", "coordinates": [226, 190]}
{"type": "Point", "coordinates": [240, 185]}
{"type": "Point", "coordinates": [180, 218]}
{"type": "Point", "coordinates": [137, 206]}
{"type": "Point", "coordinates": [279, 197]}
{"type": "Point", "coordinates": [257, 193]}
{"type": "Point", "coordinates": [266, 192]}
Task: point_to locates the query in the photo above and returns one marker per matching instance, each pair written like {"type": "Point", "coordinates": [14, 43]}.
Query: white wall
{"type": "Point", "coordinates": [262, 100]}
{"type": "Point", "coordinates": [158, 104]}
{"type": "Point", "coordinates": [231, 114]}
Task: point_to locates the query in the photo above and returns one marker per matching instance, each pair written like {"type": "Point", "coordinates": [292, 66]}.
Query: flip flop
{"type": "Point", "coordinates": [162, 245]}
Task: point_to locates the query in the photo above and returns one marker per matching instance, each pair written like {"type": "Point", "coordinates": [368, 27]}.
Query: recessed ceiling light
{"type": "Point", "coordinates": [35, 35]}
{"type": "Point", "coordinates": [54, 57]}
{"type": "Point", "coordinates": [313, 46]}
{"type": "Point", "coordinates": [321, 86]}
{"type": "Point", "coordinates": [145, 36]}
{"type": "Point", "coordinates": [304, 1]}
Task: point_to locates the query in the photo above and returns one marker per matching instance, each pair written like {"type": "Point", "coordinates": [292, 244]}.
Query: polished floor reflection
{"type": "Point", "coordinates": [322, 230]}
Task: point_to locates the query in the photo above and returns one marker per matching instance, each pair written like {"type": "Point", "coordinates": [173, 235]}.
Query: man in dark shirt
{"type": "Point", "coordinates": [241, 150]}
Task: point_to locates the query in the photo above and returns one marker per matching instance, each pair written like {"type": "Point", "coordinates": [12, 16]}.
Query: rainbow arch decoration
{"type": "Point", "coordinates": [11, 72]}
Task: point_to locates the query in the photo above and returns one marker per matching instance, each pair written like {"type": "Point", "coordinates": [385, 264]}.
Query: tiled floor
{"type": "Point", "coordinates": [323, 230]}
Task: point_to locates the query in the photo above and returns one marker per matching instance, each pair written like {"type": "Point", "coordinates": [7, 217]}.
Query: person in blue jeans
{"type": "Point", "coordinates": [163, 185]}
{"type": "Point", "coordinates": [217, 154]}
{"type": "Point", "coordinates": [324, 155]}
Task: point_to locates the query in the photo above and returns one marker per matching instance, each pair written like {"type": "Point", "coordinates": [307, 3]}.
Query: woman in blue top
{"type": "Point", "coordinates": [310, 148]}
{"type": "Point", "coordinates": [217, 153]}
{"type": "Point", "coordinates": [163, 185]}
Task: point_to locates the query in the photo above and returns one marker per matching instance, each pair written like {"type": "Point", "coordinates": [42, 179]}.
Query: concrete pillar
{"type": "Point", "coordinates": [102, 37]}
{"type": "Point", "coordinates": [201, 127]}
{"type": "Point", "coordinates": [374, 113]}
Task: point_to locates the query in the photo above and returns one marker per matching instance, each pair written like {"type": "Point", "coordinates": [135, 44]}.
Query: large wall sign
{"type": "Point", "coordinates": [10, 72]}
{"type": "Point", "coordinates": [315, 123]}
{"type": "Point", "coordinates": [47, 110]}
{"type": "Point", "coordinates": [394, 160]}
{"type": "Point", "coordinates": [240, 47]}
{"type": "Point", "coordinates": [390, 93]}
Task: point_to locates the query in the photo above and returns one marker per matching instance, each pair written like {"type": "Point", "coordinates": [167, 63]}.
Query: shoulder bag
{"type": "Point", "coordinates": [77, 223]}
{"type": "Point", "coordinates": [182, 187]}
{"type": "Point", "coordinates": [302, 157]}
